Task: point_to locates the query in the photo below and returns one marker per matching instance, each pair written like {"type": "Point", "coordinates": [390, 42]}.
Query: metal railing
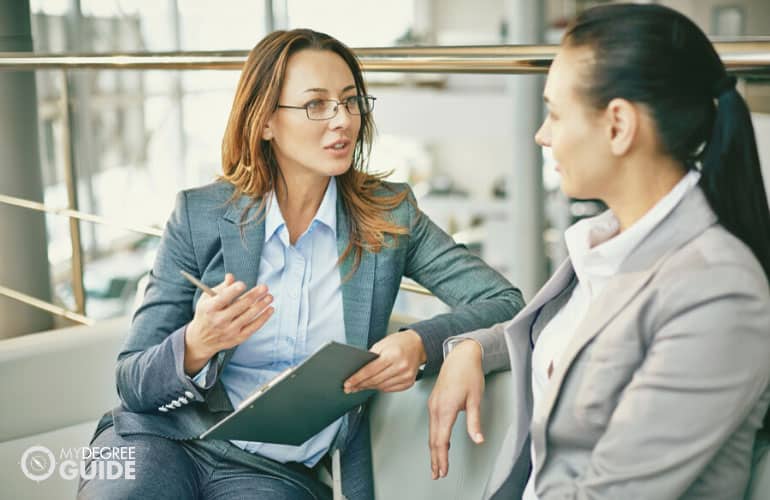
{"type": "Point", "coordinates": [744, 57]}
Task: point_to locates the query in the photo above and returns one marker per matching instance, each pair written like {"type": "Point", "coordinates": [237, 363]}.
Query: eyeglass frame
{"type": "Point", "coordinates": [344, 102]}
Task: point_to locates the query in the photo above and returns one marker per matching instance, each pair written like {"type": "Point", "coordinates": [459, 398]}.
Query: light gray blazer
{"type": "Point", "coordinates": [664, 382]}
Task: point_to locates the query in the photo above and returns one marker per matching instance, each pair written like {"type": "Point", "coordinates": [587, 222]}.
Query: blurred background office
{"type": "Point", "coordinates": [133, 138]}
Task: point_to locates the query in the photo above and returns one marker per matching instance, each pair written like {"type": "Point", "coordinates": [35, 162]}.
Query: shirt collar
{"type": "Point", "coordinates": [596, 248]}
{"type": "Point", "coordinates": [326, 214]}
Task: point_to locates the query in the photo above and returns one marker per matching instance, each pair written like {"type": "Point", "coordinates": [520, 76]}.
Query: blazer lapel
{"type": "Point", "coordinates": [555, 284]}
{"type": "Point", "coordinates": [689, 218]}
{"type": "Point", "coordinates": [241, 252]}
{"type": "Point", "coordinates": [519, 339]}
{"type": "Point", "coordinates": [357, 290]}
{"type": "Point", "coordinates": [521, 325]}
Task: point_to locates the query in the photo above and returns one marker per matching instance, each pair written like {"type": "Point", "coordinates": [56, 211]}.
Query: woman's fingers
{"type": "Point", "coordinates": [229, 280]}
{"type": "Point", "coordinates": [253, 305]}
{"type": "Point", "coordinates": [227, 295]}
{"type": "Point", "coordinates": [397, 384]}
{"type": "Point", "coordinates": [254, 325]}
{"type": "Point", "coordinates": [370, 370]}
{"type": "Point", "coordinates": [383, 374]}
{"type": "Point", "coordinates": [459, 386]}
{"type": "Point", "coordinates": [220, 321]}
{"type": "Point", "coordinates": [473, 419]}
{"type": "Point", "coordinates": [256, 293]}
{"type": "Point", "coordinates": [443, 415]}
{"type": "Point", "coordinates": [254, 298]}
{"type": "Point", "coordinates": [251, 312]}
{"type": "Point", "coordinates": [442, 418]}
{"type": "Point", "coordinates": [399, 360]}
{"type": "Point", "coordinates": [393, 378]}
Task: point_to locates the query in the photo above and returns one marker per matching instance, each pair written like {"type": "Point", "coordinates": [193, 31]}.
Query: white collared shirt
{"type": "Point", "coordinates": [596, 251]}
{"type": "Point", "coordinates": [305, 282]}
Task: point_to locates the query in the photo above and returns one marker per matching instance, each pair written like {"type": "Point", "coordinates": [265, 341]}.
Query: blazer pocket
{"type": "Point", "coordinates": [606, 369]}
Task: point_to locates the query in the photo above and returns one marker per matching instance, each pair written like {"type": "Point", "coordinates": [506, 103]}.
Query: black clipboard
{"type": "Point", "coordinates": [299, 402]}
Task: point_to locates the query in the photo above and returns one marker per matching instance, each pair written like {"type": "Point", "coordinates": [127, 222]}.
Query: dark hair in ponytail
{"type": "Point", "coordinates": [658, 57]}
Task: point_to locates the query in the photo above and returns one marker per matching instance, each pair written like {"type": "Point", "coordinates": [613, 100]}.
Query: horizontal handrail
{"type": "Point", "coordinates": [41, 304]}
{"type": "Point", "coordinates": [415, 288]}
{"type": "Point", "coordinates": [74, 214]}
{"type": "Point", "coordinates": [750, 56]}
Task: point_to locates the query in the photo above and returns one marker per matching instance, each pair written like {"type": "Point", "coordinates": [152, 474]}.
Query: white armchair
{"type": "Point", "coordinates": [55, 385]}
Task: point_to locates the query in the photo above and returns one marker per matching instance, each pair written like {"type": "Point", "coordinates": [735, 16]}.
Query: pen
{"type": "Point", "coordinates": [192, 279]}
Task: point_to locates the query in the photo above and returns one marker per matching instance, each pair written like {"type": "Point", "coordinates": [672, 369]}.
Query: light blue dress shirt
{"type": "Point", "coordinates": [304, 280]}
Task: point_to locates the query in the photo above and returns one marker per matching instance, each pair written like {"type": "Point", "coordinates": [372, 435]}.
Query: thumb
{"type": "Point", "coordinates": [473, 421]}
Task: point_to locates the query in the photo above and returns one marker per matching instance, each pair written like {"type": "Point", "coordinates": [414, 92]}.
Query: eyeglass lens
{"type": "Point", "coordinates": [355, 105]}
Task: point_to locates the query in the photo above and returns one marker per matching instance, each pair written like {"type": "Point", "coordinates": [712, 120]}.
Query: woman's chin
{"type": "Point", "coordinates": [338, 169]}
{"type": "Point", "coordinates": [567, 188]}
{"type": "Point", "coordinates": [577, 190]}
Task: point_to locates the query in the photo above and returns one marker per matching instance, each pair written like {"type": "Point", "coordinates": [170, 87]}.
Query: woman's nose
{"type": "Point", "coordinates": [543, 135]}
{"type": "Point", "coordinates": [341, 119]}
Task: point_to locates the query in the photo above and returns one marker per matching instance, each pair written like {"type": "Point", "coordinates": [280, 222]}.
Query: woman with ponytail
{"type": "Point", "coordinates": [640, 370]}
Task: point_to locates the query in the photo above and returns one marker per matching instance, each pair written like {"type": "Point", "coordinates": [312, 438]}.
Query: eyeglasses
{"type": "Point", "coordinates": [326, 109]}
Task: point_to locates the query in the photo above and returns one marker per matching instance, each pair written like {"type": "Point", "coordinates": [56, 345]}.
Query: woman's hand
{"type": "Point", "coordinates": [401, 355]}
{"type": "Point", "coordinates": [224, 321]}
{"type": "Point", "coordinates": [459, 386]}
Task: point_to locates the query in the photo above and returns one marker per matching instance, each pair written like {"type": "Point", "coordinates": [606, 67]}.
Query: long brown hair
{"type": "Point", "coordinates": [248, 162]}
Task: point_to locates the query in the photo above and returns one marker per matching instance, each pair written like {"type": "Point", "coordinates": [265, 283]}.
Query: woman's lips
{"type": "Point", "coordinates": [339, 149]}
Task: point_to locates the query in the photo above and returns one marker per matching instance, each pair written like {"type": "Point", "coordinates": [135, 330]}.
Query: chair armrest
{"type": "Point", "coordinates": [58, 378]}
{"type": "Point", "coordinates": [400, 453]}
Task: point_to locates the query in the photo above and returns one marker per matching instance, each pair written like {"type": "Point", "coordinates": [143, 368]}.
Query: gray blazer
{"type": "Point", "coordinates": [203, 237]}
{"type": "Point", "coordinates": [664, 383]}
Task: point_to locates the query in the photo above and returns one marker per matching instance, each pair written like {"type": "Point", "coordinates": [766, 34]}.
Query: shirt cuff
{"type": "Point", "coordinates": [200, 379]}
{"type": "Point", "coordinates": [451, 342]}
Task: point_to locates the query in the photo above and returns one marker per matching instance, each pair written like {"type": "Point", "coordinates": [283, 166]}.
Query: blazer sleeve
{"type": "Point", "coordinates": [705, 370]}
{"type": "Point", "coordinates": [494, 349]}
{"type": "Point", "coordinates": [479, 296]}
{"type": "Point", "coordinates": [150, 368]}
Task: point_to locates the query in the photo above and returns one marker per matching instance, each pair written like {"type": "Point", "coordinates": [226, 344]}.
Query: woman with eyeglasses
{"type": "Point", "coordinates": [640, 370]}
{"type": "Point", "coordinates": [302, 246]}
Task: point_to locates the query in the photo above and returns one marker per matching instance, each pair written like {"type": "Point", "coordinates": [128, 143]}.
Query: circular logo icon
{"type": "Point", "coordinates": [38, 463]}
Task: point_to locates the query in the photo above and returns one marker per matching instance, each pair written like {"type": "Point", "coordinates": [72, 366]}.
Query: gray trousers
{"type": "Point", "coordinates": [165, 468]}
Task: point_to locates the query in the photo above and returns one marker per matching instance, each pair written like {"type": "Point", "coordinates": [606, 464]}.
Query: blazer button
{"type": "Point", "coordinates": [170, 406]}
{"type": "Point", "coordinates": [183, 400]}
{"type": "Point", "coordinates": [176, 404]}
{"type": "Point", "coordinates": [189, 395]}
{"type": "Point", "coordinates": [163, 409]}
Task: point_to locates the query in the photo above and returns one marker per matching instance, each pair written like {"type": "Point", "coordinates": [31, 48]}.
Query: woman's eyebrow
{"type": "Point", "coordinates": [548, 103]}
{"type": "Point", "coordinates": [326, 91]}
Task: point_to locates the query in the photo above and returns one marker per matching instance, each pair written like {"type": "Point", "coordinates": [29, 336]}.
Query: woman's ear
{"type": "Point", "coordinates": [267, 131]}
{"type": "Point", "coordinates": [623, 123]}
